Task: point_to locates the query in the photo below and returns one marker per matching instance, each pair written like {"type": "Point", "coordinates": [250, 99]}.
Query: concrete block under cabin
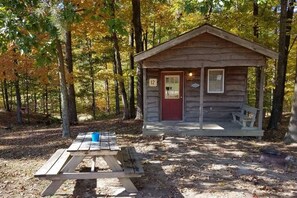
{"type": "Point", "coordinates": [193, 83]}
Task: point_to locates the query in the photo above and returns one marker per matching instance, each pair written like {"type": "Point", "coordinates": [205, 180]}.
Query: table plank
{"type": "Point", "coordinates": [59, 164]}
{"type": "Point", "coordinates": [77, 142]}
{"type": "Point", "coordinates": [83, 142]}
{"type": "Point", "coordinates": [113, 143]}
{"type": "Point", "coordinates": [85, 146]}
{"type": "Point", "coordinates": [43, 170]}
{"type": "Point", "coordinates": [95, 146]}
{"type": "Point", "coordinates": [104, 136]}
{"type": "Point", "coordinates": [104, 146]}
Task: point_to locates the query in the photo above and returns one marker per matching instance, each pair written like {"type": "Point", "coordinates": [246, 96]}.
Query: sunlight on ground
{"type": "Point", "coordinates": [217, 167]}
{"type": "Point", "coordinates": [84, 117]}
{"type": "Point", "coordinates": [194, 153]}
{"type": "Point", "coordinates": [212, 146]}
{"type": "Point", "coordinates": [80, 117]}
{"type": "Point", "coordinates": [235, 153]}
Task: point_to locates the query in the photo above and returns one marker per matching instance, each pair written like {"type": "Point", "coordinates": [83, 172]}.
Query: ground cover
{"type": "Point", "coordinates": [175, 166]}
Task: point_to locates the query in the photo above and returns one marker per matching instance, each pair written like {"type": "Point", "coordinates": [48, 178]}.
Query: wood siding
{"type": "Point", "coordinates": [192, 96]}
{"type": "Point", "coordinates": [205, 50]}
{"type": "Point", "coordinates": [217, 106]}
{"type": "Point", "coordinates": [153, 96]}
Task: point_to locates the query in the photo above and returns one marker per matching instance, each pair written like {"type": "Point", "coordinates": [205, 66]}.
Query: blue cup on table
{"type": "Point", "coordinates": [95, 137]}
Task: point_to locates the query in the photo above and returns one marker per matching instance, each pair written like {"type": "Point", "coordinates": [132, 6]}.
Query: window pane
{"type": "Point", "coordinates": [216, 81]}
{"type": "Point", "coordinates": [172, 87]}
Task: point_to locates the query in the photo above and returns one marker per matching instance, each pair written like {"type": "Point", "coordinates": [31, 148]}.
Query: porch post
{"type": "Point", "coordinates": [261, 98]}
{"type": "Point", "coordinates": [201, 97]}
{"type": "Point", "coordinates": [144, 95]}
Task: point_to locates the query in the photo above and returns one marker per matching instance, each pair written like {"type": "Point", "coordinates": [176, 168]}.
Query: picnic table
{"type": "Point", "coordinates": [123, 162]}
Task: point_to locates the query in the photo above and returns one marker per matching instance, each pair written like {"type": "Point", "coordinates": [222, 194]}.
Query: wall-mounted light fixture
{"type": "Point", "coordinates": [190, 74]}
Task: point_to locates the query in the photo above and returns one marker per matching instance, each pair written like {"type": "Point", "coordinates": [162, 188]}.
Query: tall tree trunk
{"type": "Point", "coordinates": [131, 83]}
{"type": "Point", "coordinates": [71, 90]}
{"type": "Point", "coordinates": [46, 100]}
{"type": "Point", "coordinates": [139, 47]}
{"type": "Point", "coordinates": [11, 96]}
{"type": "Point", "coordinates": [116, 88]}
{"type": "Point", "coordinates": [291, 135]}
{"type": "Point", "coordinates": [154, 34]}
{"type": "Point", "coordinates": [145, 41]}
{"type": "Point", "coordinates": [126, 113]}
{"type": "Point", "coordinates": [107, 97]}
{"type": "Point", "coordinates": [42, 103]}
{"type": "Point", "coordinates": [160, 35]}
{"type": "Point", "coordinates": [60, 103]}
{"type": "Point", "coordinates": [209, 11]}
{"type": "Point", "coordinates": [3, 96]}
{"type": "Point", "coordinates": [256, 35]}
{"type": "Point", "coordinates": [64, 94]}
{"type": "Point", "coordinates": [18, 99]}
{"type": "Point", "coordinates": [116, 48]}
{"type": "Point", "coordinates": [284, 42]}
{"type": "Point", "coordinates": [92, 73]}
{"type": "Point", "coordinates": [93, 91]}
{"type": "Point", "coordinates": [7, 106]}
{"type": "Point", "coordinates": [27, 98]}
{"type": "Point", "coordinates": [35, 102]}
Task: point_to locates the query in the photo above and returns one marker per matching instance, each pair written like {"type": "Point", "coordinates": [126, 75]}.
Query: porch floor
{"type": "Point", "coordinates": [193, 128]}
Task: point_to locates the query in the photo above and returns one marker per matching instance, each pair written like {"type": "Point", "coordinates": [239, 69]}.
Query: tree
{"type": "Point", "coordinates": [116, 88]}
{"type": "Point", "coordinates": [284, 42]}
{"type": "Point", "coordinates": [138, 42]}
{"type": "Point", "coordinates": [131, 83]}
{"type": "Point", "coordinates": [5, 92]}
{"type": "Point", "coordinates": [113, 28]}
{"type": "Point", "coordinates": [256, 34]}
{"type": "Point", "coordinates": [15, 23]}
{"type": "Point", "coordinates": [18, 98]}
{"type": "Point", "coordinates": [63, 89]}
{"type": "Point", "coordinates": [55, 17]}
{"type": "Point", "coordinates": [291, 135]}
{"type": "Point", "coordinates": [92, 75]}
{"type": "Point", "coordinates": [71, 91]}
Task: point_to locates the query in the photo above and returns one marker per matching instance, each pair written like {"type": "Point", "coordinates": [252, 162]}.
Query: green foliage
{"type": "Point", "coordinates": [117, 25]}
{"type": "Point", "coordinates": [32, 25]}
{"type": "Point", "coordinates": [55, 17]}
{"type": "Point", "coordinates": [204, 6]}
{"type": "Point", "coordinates": [16, 25]}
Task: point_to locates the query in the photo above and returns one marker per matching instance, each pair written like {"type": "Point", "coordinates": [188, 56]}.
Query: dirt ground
{"type": "Point", "coordinates": [175, 166]}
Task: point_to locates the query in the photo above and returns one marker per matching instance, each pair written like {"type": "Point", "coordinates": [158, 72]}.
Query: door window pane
{"type": "Point", "coordinates": [171, 87]}
{"type": "Point", "coordinates": [215, 81]}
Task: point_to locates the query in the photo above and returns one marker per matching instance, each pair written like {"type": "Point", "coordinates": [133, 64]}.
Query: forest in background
{"type": "Point", "coordinates": [81, 51]}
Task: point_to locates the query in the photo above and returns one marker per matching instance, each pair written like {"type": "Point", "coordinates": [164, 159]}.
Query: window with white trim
{"type": "Point", "coordinates": [215, 81]}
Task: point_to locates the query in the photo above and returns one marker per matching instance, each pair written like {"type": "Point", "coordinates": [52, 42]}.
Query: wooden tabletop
{"type": "Point", "coordinates": [83, 144]}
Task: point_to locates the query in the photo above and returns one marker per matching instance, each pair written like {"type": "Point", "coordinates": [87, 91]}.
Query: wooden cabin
{"type": "Point", "coordinates": [193, 84]}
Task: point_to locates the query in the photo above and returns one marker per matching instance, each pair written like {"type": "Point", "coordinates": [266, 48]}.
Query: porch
{"type": "Point", "coordinates": [193, 128]}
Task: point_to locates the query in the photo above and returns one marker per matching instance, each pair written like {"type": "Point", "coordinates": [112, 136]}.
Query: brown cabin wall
{"type": "Point", "coordinates": [217, 107]}
{"type": "Point", "coordinates": [205, 51]}
{"type": "Point", "coordinates": [153, 97]}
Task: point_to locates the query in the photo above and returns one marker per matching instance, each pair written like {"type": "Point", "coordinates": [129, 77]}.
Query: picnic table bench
{"type": "Point", "coordinates": [124, 163]}
{"type": "Point", "coordinates": [246, 117]}
{"type": "Point", "coordinates": [130, 162]}
{"type": "Point", "coordinates": [54, 165]}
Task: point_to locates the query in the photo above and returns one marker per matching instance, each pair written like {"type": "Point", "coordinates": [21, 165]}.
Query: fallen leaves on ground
{"type": "Point", "coordinates": [175, 166]}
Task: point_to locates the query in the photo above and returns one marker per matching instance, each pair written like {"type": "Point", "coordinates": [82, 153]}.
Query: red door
{"type": "Point", "coordinates": [172, 95]}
